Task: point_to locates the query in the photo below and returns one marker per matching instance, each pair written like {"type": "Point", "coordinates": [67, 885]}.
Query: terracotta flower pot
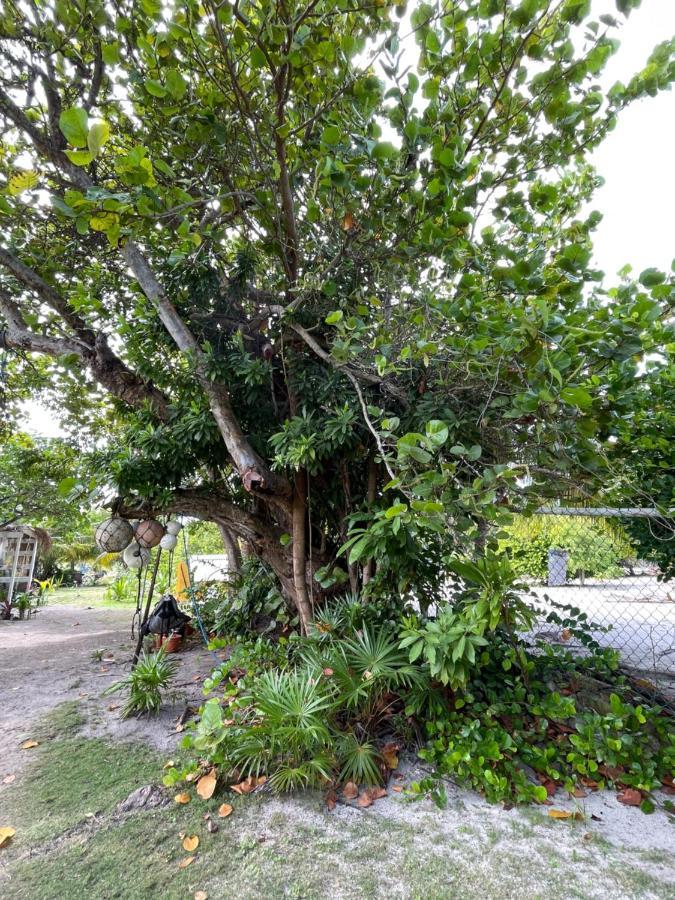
{"type": "Point", "coordinates": [173, 643]}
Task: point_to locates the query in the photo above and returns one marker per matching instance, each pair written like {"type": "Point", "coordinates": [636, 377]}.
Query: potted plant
{"type": "Point", "coordinates": [23, 604]}
{"type": "Point", "coordinates": [174, 642]}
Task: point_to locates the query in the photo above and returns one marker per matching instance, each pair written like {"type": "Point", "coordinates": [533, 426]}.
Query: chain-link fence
{"type": "Point", "coordinates": [587, 559]}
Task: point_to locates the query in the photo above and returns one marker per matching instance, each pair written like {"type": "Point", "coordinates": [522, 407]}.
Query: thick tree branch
{"type": "Point", "coordinates": [110, 372]}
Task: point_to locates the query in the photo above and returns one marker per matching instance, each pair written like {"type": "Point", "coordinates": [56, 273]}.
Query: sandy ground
{"type": "Point", "coordinates": [49, 659]}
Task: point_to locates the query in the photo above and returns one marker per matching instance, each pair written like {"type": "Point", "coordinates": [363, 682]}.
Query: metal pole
{"type": "Point", "coordinates": [139, 643]}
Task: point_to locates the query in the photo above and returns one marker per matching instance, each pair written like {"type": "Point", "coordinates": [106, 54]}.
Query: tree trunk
{"type": "Point", "coordinates": [300, 551]}
{"type": "Point", "coordinates": [232, 550]}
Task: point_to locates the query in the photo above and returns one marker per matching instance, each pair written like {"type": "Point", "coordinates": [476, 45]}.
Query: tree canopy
{"type": "Point", "coordinates": [331, 263]}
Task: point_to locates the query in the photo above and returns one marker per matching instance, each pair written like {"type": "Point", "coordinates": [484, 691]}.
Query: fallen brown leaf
{"type": "Point", "coordinates": [6, 834]}
{"type": "Point", "coordinates": [566, 634]}
{"type": "Point", "coordinates": [225, 810]}
{"type": "Point", "coordinates": [8, 779]}
{"type": "Point", "coordinates": [184, 863]}
{"type": "Point", "coordinates": [182, 798]}
{"type": "Point", "coordinates": [28, 744]}
{"type": "Point", "coordinates": [397, 788]}
{"type": "Point", "coordinates": [365, 800]}
{"type": "Point", "coordinates": [190, 843]}
{"type": "Point", "coordinates": [350, 791]}
{"type": "Point", "coordinates": [331, 800]}
{"type": "Point", "coordinates": [113, 706]}
{"type": "Point", "coordinates": [201, 895]}
{"type": "Point", "coordinates": [377, 793]}
{"type": "Point", "coordinates": [630, 797]}
{"type": "Point", "coordinates": [192, 776]}
{"type": "Point", "coordinates": [180, 727]}
{"type": "Point", "coordinates": [564, 814]}
{"type": "Point", "coordinates": [248, 784]}
{"type": "Point", "coordinates": [206, 786]}
{"type": "Point", "coordinates": [579, 792]}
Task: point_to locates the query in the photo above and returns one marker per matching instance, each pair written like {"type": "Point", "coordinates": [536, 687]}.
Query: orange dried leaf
{"type": "Point", "coordinates": [377, 793]}
{"type": "Point", "coordinates": [564, 814]}
{"type": "Point", "coordinates": [248, 784]}
{"type": "Point", "coordinates": [182, 798]}
{"type": "Point", "coordinates": [184, 863]}
{"type": "Point", "coordinates": [397, 788]}
{"type": "Point", "coordinates": [348, 222]}
{"type": "Point", "coordinates": [331, 800]}
{"type": "Point", "coordinates": [365, 800]}
{"type": "Point", "coordinates": [190, 843]}
{"type": "Point", "coordinates": [391, 758]}
{"type": "Point", "coordinates": [350, 791]}
{"type": "Point", "coordinates": [28, 744]}
{"type": "Point", "coordinates": [225, 810]}
{"type": "Point", "coordinates": [630, 797]}
{"type": "Point", "coordinates": [6, 834]}
{"type": "Point", "coordinates": [206, 786]}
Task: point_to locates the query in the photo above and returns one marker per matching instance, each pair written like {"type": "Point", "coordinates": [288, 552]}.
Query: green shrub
{"type": "Point", "coordinates": [248, 603]}
{"type": "Point", "coordinates": [510, 719]}
{"type": "Point", "coordinates": [146, 684]}
{"type": "Point", "coordinates": [595, 546]}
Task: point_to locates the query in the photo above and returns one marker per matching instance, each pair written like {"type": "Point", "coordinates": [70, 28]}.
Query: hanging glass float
{"type": "Point", "coordinates": [149, 533]}
{"type": "Point", "coordinates": [168, 542]}
{"type": "Point", "coordinates": [173, 528]}
{"type": "Point", "coordinates": [114, 534]}
{"type": "Point", "coordinates": [136, 556]}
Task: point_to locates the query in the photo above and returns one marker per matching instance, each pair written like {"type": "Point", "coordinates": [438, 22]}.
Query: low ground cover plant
{"type": "Point", "coordinates": [146, 684]}
{"type": "Point", "coordinates": [510, 717]}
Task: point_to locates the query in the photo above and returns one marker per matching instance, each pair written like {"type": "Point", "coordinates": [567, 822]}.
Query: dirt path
{"type": "Point", "coordinates": [50, 658]}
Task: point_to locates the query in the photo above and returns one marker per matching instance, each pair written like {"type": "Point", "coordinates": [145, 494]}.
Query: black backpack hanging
{"type": "Point", "coordinates": [166, 617]}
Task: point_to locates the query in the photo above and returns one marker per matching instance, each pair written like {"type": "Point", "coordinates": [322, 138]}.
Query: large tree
{"type": "Point", "coordinates": [330, 259]}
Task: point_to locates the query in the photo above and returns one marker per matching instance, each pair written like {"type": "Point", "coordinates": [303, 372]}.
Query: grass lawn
{"type": "Point", "coordinates": [73, 842]}
{"type": "Point", "coordinates": [90, 595]}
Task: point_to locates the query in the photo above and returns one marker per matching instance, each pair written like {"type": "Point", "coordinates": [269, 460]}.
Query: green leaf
{"type": "Point", "coordinates": [577, 396]}
{"type": "Point", "coordinates": [155, 88]}
{"type": "Point", "coordinates": [66, 485]}
{"type": "Point", "coordinates": [79, 157]}
{"type": "Point", "coordinates": [22, 181]}
{"type": "Point", "coordinates": [331, 135]}
{"type": "Point", "coordinates": [333, 318]}
{"type": "Point", "coordinates": [74, 125]}
{"type": "Point", "coordinates": [98, 134]}
{"type": "Point", "coordinates": [176, 84]}
{"type": "Point", "coordinates": [437, 432]}
{"type": "Point", "coordinates": [258, 60]}
{"type": "Point", "coordinates": [384, 150]}
{"type": "Point", "coordinates": [651, 277]}
{"type": "Point", "coordinates": [396, 510]}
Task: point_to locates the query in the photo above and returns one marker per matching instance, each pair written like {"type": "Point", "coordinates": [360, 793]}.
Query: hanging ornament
{"type": "Point", "coordinates": [136, 556]}
{"type": "Point", "coordinates": [114, 534]}
{"type": "Point", "coordinates": [168, 542]}
{"type": "Point", "coordinates": [173, 528]}
{"type": "Point", "coordinates": [149, 532]}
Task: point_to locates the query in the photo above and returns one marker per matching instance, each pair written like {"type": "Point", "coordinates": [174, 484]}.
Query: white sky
{"type": "Point", "coordinates": [637, 161]}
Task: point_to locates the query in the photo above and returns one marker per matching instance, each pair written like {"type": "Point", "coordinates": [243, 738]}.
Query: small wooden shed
{"type": "Point", "coordinates": [19, 546]}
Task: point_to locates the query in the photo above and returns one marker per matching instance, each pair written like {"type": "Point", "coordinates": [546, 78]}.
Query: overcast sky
{"type": "Point", "coordinates": [636, 161]}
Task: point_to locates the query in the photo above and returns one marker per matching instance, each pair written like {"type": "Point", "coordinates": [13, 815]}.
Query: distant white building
{"type": "Point", "coordinates": [209, 567]}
